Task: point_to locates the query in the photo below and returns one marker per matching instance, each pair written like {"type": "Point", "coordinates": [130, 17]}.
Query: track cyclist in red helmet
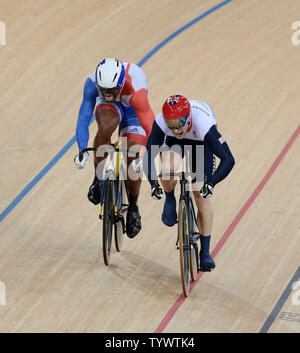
{"type": "Point", "coordinates": [117, 94]}
{"type": "Point", "coordinates": [188, 123]}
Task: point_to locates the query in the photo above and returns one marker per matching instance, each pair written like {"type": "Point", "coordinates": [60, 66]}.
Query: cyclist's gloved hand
{"type": "Point", "coordinates": [156, 191]}
{"type": "Point", "coordinates": [81, 159]}
{"type": "Point", "coordinates": [137, 164]}
{"type": "Point", "coordinates": [206, 190]}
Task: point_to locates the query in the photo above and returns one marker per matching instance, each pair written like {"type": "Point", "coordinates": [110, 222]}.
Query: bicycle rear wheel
{"type": "Point", "coordinates": [119, 235]}
{"type": "Point", "coordinates": [194, 257]}
{"type": "Point", "coordinates": [119, 227]}
{"type": "Point", "coordinates": [184, 248]}
{"type": "Point", "coordinates": [122, 205]}
{"type": "Point", "coordinates": [108, 218]}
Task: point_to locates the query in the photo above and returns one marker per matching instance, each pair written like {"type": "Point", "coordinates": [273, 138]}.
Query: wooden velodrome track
{"type": "Point", "coordinates": [238, 58]}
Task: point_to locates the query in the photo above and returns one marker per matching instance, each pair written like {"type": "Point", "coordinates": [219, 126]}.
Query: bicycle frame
{"type": "Point", "coordinates": [184, 195]}
{"type": "Point", "coordinates": [113, 195]}
{"type": "Point", "coordinates": [187, 238]}
{"type": "Point", "coordinates": [114, 168]}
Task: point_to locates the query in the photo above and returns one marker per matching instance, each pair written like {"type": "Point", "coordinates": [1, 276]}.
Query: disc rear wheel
{"type": "Point", "coordinates": [194, 261]}
{"type": "Point", "coordinates": [119, 227]}
{"type": "Point", "coordinates": [184, 249]}
{"type": "Point", "coordinates": [194, 257]}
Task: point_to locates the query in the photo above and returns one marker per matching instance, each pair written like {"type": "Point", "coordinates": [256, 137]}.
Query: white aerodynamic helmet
{"type": "Point", "coordinates": [110, 73]}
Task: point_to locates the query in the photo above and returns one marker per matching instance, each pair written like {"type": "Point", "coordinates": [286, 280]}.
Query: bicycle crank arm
{"type": "Point", "coordinates": [194, 238]}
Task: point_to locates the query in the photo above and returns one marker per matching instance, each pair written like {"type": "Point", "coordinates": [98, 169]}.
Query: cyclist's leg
{"type": "Point", "coordinates": [108, 116]}
{"type": "Point", "coordinates": [205, 213]}
{"type": "Point", "coordinates": [171, 162]}
{"type": "Point", "coordinates": [133, 138]}
{"type": "Point", "coordinates": [133, 179]}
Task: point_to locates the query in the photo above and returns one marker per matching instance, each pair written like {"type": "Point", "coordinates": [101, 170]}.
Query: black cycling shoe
{"type": "Point", "coordinates": [206, 261]}
{"type": "Point", "coordinates": [133, 222]}
{"type": "Point", "coordinates": [207, 264]}
{"type": "Point", "coordinates": [95, 190]}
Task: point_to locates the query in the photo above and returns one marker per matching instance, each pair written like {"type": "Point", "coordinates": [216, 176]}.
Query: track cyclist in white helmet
{"type": "Point", "coordinates": [189, 124]}
{"type": "Point", "coordinates": [118, 95]}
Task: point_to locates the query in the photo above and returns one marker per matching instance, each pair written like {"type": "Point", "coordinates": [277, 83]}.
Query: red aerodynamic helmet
{"type": "Point", "coordinates": [176, 111]}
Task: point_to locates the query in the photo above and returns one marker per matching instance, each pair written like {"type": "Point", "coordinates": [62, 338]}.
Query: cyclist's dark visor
{"type": "Point", "coordinates": [176, 123]}
{"type": "Point", "coordinates": [109, 90]}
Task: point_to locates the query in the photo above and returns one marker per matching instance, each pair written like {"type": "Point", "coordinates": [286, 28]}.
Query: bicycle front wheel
{"type": "Point", "coordinates": [108, 218]}
{"type": "Point", "coordinates": [184, 247]}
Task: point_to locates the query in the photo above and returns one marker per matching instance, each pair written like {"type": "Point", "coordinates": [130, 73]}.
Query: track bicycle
{"type": "Point", "coordinates": [187, 237]}
{"type": "Point", "coordinates": [114, 198]}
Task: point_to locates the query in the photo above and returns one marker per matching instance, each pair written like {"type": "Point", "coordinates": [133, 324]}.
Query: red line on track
{"type": "Point", "coordinates": [180, 300]}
